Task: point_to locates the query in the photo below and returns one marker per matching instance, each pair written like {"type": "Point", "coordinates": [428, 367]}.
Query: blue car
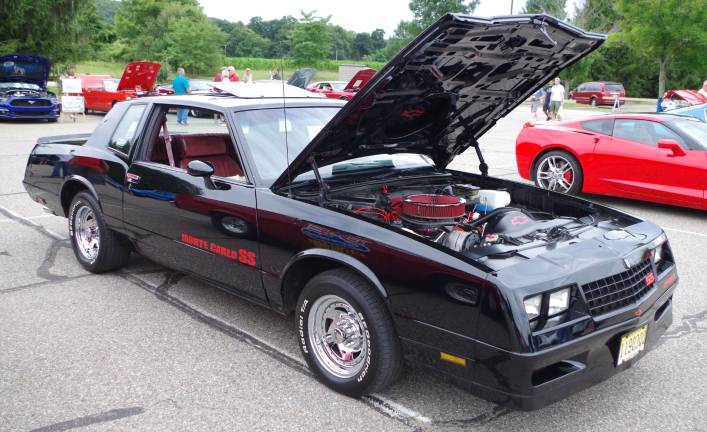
{"type": "Point", "coordinates": [697, 111]}
{"type": "Point", "coordinates": [23, 88]}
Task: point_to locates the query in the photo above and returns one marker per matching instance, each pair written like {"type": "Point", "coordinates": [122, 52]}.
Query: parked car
{"type": "Point", "coordinates": [696, 111]}
{"type": "Point", "coordinates": [599, 93]}
{"type": "Point", "coordinates": [673, 99]}
{"type": "Point", "coordinates": [652, 157]}
{"type": "Point", "coordinates": [198, 86]}
{"type": "Point", "coordinates": [23, 88]}
{"type": "Point", "coordinates": [346, 216]}
{"type": "Point", "coordinates": [341, 89]}
{"type": "Point", "coordinates": [137, 80]}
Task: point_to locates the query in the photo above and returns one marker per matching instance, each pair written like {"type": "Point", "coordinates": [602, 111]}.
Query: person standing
{"type": "Point", "coordinates": [557, 98]}
{"type": "Point", "coordinates": [233, 75]}
{"type": "Point", "coordinates": [535, 101]}
{"type": "Point", "coordinates": [180, 85]}
{"type": "Point", "coordinates": [219, 75]}
{"type": "Point", "coordinates": [276, 74]}
{"type": "Point", "coordinates": [248, 76]}
{"type": "Point", "coordinates": [703, 90]}
{"type": "Point", "coordinates": [546, 102]}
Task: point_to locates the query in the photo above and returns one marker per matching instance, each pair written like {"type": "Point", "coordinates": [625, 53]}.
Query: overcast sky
{"type": "Point", "coordinates": [356, 15]}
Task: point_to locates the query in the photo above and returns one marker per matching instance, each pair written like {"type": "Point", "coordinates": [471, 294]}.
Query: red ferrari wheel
{"type": "Point", "coordinates": [559, 171]}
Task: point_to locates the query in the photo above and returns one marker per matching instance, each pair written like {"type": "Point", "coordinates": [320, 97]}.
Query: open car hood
{"type": "Point", "coordinates": [447, 87]}
{"type": "Point", "coordinates": [139, 76]}
{"type": "Point", "coordinates": [360, 79]}
{"type": "Point", "coordinates": [302, 77]}
{"type": "Point", "coordinates": [25, 68]}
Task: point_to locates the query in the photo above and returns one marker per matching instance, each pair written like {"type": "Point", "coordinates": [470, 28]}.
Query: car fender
{"type": "Point", "coordinates": [339, 258]}
{"type": "Point", "coordinates": [76, 178]}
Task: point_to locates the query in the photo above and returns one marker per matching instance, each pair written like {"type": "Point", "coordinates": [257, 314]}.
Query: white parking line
{"type": "Point", "coordinates": [28, 218]}
{"type": "Point", "coordinates": [20, 219]}
{"type": "Point", "coordinates": [685, 232]}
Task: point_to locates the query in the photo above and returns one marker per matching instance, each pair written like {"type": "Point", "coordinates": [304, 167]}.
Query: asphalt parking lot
{"type": "Point", "coordinates": [149, 349]}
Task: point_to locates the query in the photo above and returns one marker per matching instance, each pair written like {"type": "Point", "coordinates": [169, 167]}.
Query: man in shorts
{"type": "Point", "coordinates": [556, 98]}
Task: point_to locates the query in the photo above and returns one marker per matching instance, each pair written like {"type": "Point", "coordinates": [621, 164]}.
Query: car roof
{"type": "Point", "coordinates": [227, 101]}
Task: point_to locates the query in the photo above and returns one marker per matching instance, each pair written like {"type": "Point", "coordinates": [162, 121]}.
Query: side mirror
{"type": "Point", "coordinates": [673, 146]}
{"type": "Point", "coordinates": [198, 168]}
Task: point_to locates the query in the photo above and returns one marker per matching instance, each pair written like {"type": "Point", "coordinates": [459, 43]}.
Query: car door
{"type": "Point", "coordinates": [579, 95]}
{"type": "Point", "coordinates": [201, 225]}
{"type": "Point", "coordinates": [632, 165]}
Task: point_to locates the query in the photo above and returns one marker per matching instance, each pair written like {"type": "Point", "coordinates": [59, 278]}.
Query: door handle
{"type": "Point", "coordinates": [132, 178]}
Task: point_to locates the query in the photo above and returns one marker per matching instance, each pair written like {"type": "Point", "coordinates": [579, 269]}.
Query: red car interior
{"type": "Point", "coordinates": [215, 149]}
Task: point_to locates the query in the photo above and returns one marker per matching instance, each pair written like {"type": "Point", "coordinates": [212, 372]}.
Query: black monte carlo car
{"type": "Point", "coordinates": [346, 217]}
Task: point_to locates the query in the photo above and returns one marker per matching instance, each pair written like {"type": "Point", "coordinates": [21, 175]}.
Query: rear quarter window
{"type": "Point", "coordinates": [614, 87]}
{"type": "Point", "coordinates": [604, 126]}
{"type": "Point", "coordinates": [127, 129]}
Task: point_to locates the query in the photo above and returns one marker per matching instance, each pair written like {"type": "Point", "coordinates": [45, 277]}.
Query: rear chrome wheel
{"type": "Point", "coordinates": [337, 335]}
{"type": "Point", "coordinates": [559, 171]}
{"type": "Point", "coordinates": [88, 238]}
{"type": "Point", "coordinates": [96, 247]}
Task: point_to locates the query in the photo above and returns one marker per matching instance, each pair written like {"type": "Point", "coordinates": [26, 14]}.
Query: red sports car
{"type": "Point", "coordinates": [652, 157]}
{"type": "Point", "coordinates": [137, 80]}
{"type": "Point", "coordinates": [673, 99]}
{"type": "Point", "coordinates": [342, 89]}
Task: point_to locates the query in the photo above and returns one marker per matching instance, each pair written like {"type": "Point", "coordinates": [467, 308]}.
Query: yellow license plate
{"type": "Point", "coordinates": [632, 344]}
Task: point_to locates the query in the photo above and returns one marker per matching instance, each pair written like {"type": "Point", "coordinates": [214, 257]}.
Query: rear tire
{"type": "Point", "coordinates": [346, 334]}
{"type": "Point", "coordinates": [97, 248]}
{"type": "Point", "coordinates": [558, 171]}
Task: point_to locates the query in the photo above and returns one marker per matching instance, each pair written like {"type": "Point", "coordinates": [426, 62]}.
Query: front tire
{"type": "Point", "coordinates": [593, 102]}
{"type": "Point", "coordinates": [559, 171]}
{"type": "Point", "coordinates": [96, 247]}
{"type": "Point", "coordinates": [346, 334]}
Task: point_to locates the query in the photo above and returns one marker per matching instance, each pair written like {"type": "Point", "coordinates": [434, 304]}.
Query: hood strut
{"type": "Point", "coordinates": [483, 166]}
{"type": "Point", "coordinates": [323, 187]}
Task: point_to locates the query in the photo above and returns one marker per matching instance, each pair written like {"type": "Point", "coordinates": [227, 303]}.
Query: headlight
{"type": "Point", "coordinates": [559, 301]}
{"type": "Point", "coordinates": [532, 306]}
{"type": "Point", "coordinates": [658, 254]}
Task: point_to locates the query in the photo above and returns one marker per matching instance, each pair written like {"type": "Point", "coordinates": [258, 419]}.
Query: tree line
{"type": "Point", "coordinates": [652, 44]}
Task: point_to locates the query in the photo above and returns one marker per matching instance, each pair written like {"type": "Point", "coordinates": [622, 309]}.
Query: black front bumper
{"type": "Point", "coordinates": [529, 381]}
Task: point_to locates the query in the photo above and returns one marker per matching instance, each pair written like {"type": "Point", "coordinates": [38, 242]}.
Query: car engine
{"type": "Point", "coordinates": [482, 224]}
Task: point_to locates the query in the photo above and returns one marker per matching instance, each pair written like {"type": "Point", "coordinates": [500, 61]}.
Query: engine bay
{"type": "Point", "coordinates": [488, 225]}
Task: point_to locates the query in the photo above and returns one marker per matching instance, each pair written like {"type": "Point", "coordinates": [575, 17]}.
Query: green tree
{"type": "Point", "coordinates": [61, 30]}
{"type": "Point", "coordinates": [341, 42]}
{"type": "Point", "coordinates": [191, 42]}
{"type": "Point", "coordinates": [310, 39]}
{"type": "Point", "coordinates": [277, 31]}
{"type": "Point", "coordinates": [244, 42]}
{"type": "Point", "coordinates": [554, 8]}
{"type": "Point", "coordinates": [597, 16]}
{"type": "Point", "coordinates": [667, 32]}
{"type": "Point", "coordinates": [425, 12]}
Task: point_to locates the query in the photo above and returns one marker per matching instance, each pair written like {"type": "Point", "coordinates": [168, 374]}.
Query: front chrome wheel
{"type": "Point", "coordinates": [337, 336]}
{"type": "Point", "coordinates": [86, 232]}
{"type": "Point", "coordinates": [555, 173]}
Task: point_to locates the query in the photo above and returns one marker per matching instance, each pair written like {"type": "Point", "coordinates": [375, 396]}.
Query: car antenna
{"type": "Point", "coordinates": [284, 112]}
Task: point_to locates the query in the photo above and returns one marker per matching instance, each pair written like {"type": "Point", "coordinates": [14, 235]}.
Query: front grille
{"type": "Point", "coordinates": [30, 102]}
{"type": "Point", "coordinates": [617, 291]}
{"type": "Point", "coordinates": [32, 113]}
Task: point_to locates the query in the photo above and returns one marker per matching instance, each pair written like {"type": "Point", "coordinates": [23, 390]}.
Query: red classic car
{"type": "Point", "coordinates": [341, 89]}
{"type": "Point", "coordinates": [673, 99]}
{"type": "Point", "coordinates": [652, 157]}
{"type": "Point", "coordinates": [137, 80]}
{"type": "Point", "coordinates": [599, 93]}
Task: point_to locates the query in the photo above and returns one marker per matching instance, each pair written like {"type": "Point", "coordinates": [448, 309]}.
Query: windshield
{"type": "Point", "coordinates": [694, 128]}
{"type": "Point", "coordinates": [23, 86]}
{"type": "Point", "coordinates": [338, 85]}
{"type": "Point", "coordinates": [264, 133]}
{"type": "Point", "coordinates": [372, 165]}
